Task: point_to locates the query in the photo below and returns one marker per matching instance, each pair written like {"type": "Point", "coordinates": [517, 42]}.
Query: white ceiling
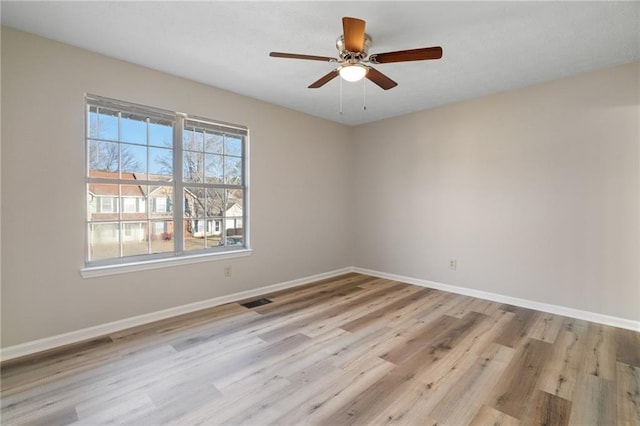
{"type": "Point", "coordinates": [488, 47]}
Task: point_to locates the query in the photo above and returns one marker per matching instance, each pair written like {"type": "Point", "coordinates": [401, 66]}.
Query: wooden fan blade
{"type": "Point", "coordinates": [297, 56]}
{"type": "Point", "coordinates": [324, 79]}
{"type": "Point", "coordinates": [380, 79]}
{"type": "Point", "coordinates": [353, 31]}
{"type": "Point", "coordinates": [407, 55]}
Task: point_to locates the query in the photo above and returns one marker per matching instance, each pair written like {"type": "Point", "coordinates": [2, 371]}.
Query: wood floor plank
{"type": "Point", "coordinates": [594, 402]}
{"type": "Point", "coordinates": [547, 409]}
{"type": "Point", "coordinates": [321, 317]}
{"type": "Point", "coordinates": [352, 349]}
{"type": "Point", "coordinates": [271, 406]}
{"type": "Point", "coordinates": [600, 354]}
{"type": "Point", "coordinates": [490, 416]}
{"type": "Point", "coordinates": [62, 393]}
{"type": "Point", "coordinates": [428, 308]}
{"type": "Point", "coordinates": [176, 398]}
{"type": "Point", "coordinates": [463, 401]}
{"type": "Point", "coordinates": [546, 328]}
{"type": "Point", "coordinates": [379, 312]}
{"type": "Point", "coordinates": [520, 325]}
{"type": "Point", "coordinates": [482, 306]}
{"type": "Point", "coordinates": [364, 407]}
{"type": "Point", "coordinates": [312, 296]}
{"type": "Point", "coordinates": [431, 384]}
{"type": "Point", "coordinates": [232, 403]}
{"type": "Point", "coordinates": [355, 379]}
{"type": "Point", "coordinates": [566, 361]}
{"type": "Point", "coordinates": [462, 308]}
{"type": "Point", "coordinates": [628, 394]}
{"type": "Point", "coordinates": [114, 410]}
{"type": "Point", "coordinates": [285, 363]}
{"type": "Point", "coordinates": [355, 311]}
{"type": "Point", "coordinates": [423, 342]}
{"type": "Point", "coordinates": [627, 344]}
{"type": "Point", "coordinates": [517, 385]}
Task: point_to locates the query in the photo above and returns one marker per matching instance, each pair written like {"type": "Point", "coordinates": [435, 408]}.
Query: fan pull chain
{"type": "Point", "coordinates": [340, 96]}
{"type": "Point", "coordinates": [364, 94]}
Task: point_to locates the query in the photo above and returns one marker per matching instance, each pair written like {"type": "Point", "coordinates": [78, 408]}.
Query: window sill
{"type": "Point", "coordinates": [101, 271]}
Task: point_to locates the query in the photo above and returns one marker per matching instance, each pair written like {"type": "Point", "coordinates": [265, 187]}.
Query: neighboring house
{"type": "Point", "coordinates": [140, 206]}
{"type": "Point", "coordinates": [211, 218]}
{"type": "Point", "coordinates": [129, 204]}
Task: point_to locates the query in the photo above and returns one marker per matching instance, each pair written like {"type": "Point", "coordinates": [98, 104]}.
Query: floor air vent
{"type": "Point", "coordinates": [255, 303]}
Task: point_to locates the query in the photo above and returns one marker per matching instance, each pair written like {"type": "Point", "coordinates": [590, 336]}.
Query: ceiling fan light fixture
{"type": "Point", "coordinates": [353, 72]}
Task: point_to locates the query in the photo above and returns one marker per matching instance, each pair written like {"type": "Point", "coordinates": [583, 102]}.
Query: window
{"type": "Point", "coordinates": [160, 205]}
{"type": "Point", "coordinates": [106, 204]}
{"type": "Point", "coordinates": [161, 184]}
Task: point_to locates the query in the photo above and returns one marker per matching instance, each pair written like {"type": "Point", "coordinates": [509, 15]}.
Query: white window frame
{"type": "Point", "coordinates": [103, 205]}
{"type": "Point", "coordinates": [129, 205]}
{"type": "Point", "coordinates": [179, 255]}
{"type": "Point", "coordinates": [160, 201]}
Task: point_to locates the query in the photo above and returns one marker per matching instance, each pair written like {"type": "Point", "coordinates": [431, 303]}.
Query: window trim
{"type": "Point", "coordinates": [167, 262]}
{"type": "Point", "coordinates": [178, 256]}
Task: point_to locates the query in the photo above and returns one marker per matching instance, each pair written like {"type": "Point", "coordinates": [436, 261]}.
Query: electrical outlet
{"type": "Point", "coordinates": [227, 271]}
{"type": "Point", "coordinates": [453, 264]}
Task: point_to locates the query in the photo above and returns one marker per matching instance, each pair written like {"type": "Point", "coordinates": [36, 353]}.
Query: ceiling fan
{"type": "Point", "coordinates": [353, 47]}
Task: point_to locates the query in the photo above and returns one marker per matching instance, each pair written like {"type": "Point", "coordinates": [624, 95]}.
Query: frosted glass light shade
{"type": "Point", "coordinates": [354, 72]}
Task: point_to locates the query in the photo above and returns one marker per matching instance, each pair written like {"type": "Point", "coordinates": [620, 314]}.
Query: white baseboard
{"type": "Point", "coordinates": [47, 343]}
{"type": "Point", "coordinates": [524, 303]}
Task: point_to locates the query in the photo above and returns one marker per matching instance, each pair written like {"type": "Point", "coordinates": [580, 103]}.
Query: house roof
{"type": "Point", "coordinates": [128, 190]}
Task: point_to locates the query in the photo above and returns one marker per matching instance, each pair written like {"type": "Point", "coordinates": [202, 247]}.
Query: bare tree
{"type": "Point", "coordinates": [106, 156]}
{"type": "Point", "coordinates": [103, 156]}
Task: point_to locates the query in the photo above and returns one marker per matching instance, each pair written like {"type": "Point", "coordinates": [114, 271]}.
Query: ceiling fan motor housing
{"type": "Point", "coordinates": [353, 56]}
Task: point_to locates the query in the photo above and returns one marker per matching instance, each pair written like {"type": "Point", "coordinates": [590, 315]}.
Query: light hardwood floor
{"type": "Point", "coordinates": [348, 350]}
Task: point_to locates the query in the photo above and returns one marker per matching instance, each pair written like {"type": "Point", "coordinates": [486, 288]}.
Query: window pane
{"type": "Point", "coordinates": [133, 129]}
{"type": "Point", "coordinates": [192, 140]}
{"type": "Point", "coordinates": [134, 161]}
{"type": "Point", "coordinates": [160, 164]}
{"type": "Point", "coordinates": [234, 239]}
{"type": "Point", "coordinates": [213, 143]}
{"type": "Point", "coordinates": [233, 221]}
{"type": "Point", "coordinates": [103, 124]}
{"type": "Point", "coordinates": [134, 238]}
{"type": "Point", "coordinates": [233, 170]}
{"type": "Point", "coordinates": [194, 202]}
{"type": "Point", "coordinates": [233, 226]}
{"type": "Point", "coordinates": [192, 166]}
{"type": "Point", "coordinates": [215, 236]}
{"type": "Point", "coordinates": [161, 202]}
{"type": "Point", "coordinates": [102, 201]}
{"type": "Point", "coordinates": [234, 197]}
{"type": "Point", "coordinates": [133, 202]}
{"type": "Point", "coordinates": [214, 202]}
{"type": "Point", "coordinates": [161, 236]}
{"type": "Point", "coordinates": [213, 170]}
{"type": "Point", "coordinates": [194, 234]}
{"type": "Point", "coordinates": [233, 146]}
{"type": "Point", "coordinates": [161, 133]}
{"type": "Point", "coordinates": [104, 241]}
{"type": "Point", "coordinates": [103, 157]}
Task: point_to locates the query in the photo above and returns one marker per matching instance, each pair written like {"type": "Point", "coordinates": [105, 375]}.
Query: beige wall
{"type": "Point", "coordinates": [299, 199]}
{"type": "Point", "coordinates": [535, 192]}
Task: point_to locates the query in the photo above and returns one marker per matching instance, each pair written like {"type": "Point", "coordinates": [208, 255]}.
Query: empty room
{"type": "Point", "coordinates": [323, 213]}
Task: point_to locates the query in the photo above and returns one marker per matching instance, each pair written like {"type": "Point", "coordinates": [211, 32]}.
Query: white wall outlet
{"type": "Point", "coordinates": [453, 264]}
{"type": "Point", "coordinates": [227, 271]}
